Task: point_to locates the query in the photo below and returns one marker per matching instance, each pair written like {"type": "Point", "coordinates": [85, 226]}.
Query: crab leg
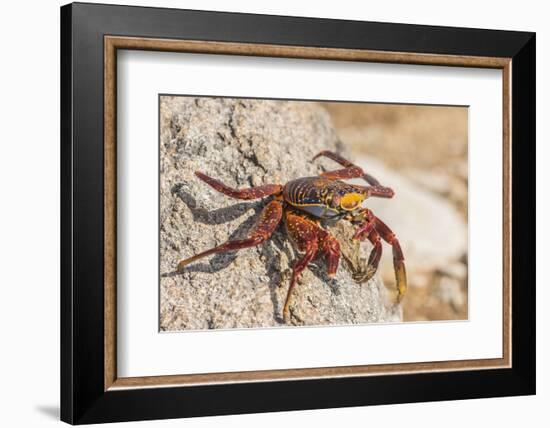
{"type": "Point", "coordinates": [251, 193]}
{"type": "Point", "coordinates": [398, 259]}
{"type": "Point", "coordinates": [299, 266]}
{"type": "Point", "coordinates": [268, 220]}
{"type": "Point", "coordinates": [303, 234]}
{"type": "Point", "coordinates": [353, 171]}
{"type": "Point", "coordinates": [330, 248]}
{"type": "Point", "coordinates": [312, 240]}
{"type": "Point", "coordinates": [350, 170]}
{"type": "Point", "coordinates": [367, 223]}
{"type": "Point", "coordinates": [375, 229]}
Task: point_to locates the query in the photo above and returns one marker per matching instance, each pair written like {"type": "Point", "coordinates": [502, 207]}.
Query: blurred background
{"type": "Point", "coordinates": [422, 153]}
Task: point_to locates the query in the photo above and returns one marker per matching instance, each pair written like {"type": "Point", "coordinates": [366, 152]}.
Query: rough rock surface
{"type": "Point", "coordinates": [246, 143]}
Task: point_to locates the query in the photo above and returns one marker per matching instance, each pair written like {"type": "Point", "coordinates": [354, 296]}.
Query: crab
{"type": "Point", "coordinates": [307, 206]}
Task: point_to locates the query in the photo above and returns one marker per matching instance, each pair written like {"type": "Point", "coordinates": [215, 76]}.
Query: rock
{"type": "Point", "coordinates": [246, 143]}
{"type": "Point", "coordinates": [455, 270]}
{"type": "Point", "coordinates": [450, 292]}
{"type": "Point", "coordinates": [453, 187]}
{"type": "Point", "coordinates": [404, 135]}
{"type": "Point", "coordinates": [432, 233]}
{"type": "Point", "coordinates": [460, 169]}
{"type": "Point", "coordinates": [437, 181]}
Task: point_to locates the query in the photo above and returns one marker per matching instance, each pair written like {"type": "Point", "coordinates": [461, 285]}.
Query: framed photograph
{"type": "Point", "coordinates": [265, 213]}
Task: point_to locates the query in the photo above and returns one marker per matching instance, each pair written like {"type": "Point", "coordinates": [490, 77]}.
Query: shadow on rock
{"type": "Point", "coordinates": [219, 216]}
{"type": "Point", "coordinates": [319, 269]}
{"type": "Point", "coordinates": [273, 250]}
{"type": "Point", "coordinates": [220, 261]}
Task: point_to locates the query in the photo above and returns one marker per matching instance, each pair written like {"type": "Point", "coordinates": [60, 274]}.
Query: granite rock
{"type": "Point", "coordinates": [247, 143]}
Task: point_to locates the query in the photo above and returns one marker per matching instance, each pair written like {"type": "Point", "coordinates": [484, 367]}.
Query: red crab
{"type": "Point", "coordinates": [307, 204]}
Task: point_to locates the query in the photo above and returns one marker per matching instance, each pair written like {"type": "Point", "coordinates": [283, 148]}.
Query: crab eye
{"type": "Point", "coordinates": [350, 201]}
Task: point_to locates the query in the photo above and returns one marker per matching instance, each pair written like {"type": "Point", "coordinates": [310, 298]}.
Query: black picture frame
{"type": "Point", "coordinates": [83, 396]}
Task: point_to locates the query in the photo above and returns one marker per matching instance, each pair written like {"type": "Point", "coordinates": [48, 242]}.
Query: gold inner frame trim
{"type": "Point", "coordinates": [113, 43]}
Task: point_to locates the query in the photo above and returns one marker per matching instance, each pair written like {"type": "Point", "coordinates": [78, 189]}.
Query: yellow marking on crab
{"type": "Point", "coordinates": [401, 280]}
{"type": "Point", "coordinates": [351, 200]}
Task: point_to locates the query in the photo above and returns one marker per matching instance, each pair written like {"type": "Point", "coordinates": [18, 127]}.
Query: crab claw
{"type": "Point", "coordinates": [364, 275]}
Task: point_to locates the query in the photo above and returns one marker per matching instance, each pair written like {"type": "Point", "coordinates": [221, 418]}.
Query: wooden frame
{"type": "Point", "coordinates": [91, 391]}
{"type": "Point", "coordinates": [112, 43]}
